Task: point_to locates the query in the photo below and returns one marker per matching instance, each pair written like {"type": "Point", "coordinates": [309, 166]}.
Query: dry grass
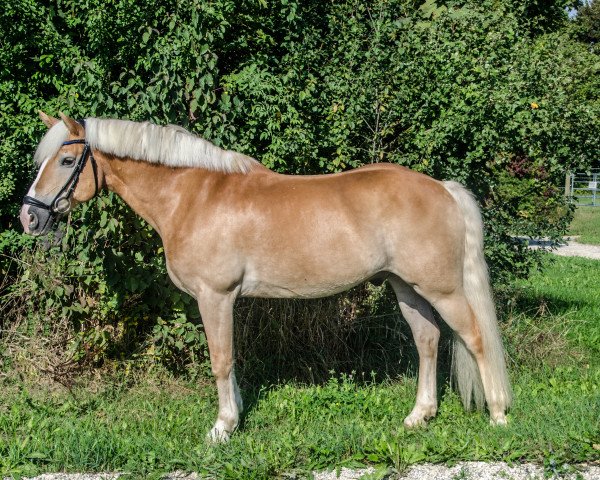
{"type": "Point", "coordinates": [539, 338]}
{"type": "Point", "coordinates": [275, 340]}
{"type": "Point", "coordinates": [305, 340]}
{"type": "Point", "coordinates": [31, 349]}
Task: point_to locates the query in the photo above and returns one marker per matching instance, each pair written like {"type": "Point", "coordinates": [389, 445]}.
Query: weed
{"type": "Point", "coordinates": [461, 475]}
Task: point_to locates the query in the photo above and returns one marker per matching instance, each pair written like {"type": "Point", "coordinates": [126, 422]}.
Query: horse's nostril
{"type": "Point", "coordinates": [33, 221]}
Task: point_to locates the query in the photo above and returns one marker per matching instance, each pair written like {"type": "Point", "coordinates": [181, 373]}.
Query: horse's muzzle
{"type": "Point", "coordinates": [36, 221]}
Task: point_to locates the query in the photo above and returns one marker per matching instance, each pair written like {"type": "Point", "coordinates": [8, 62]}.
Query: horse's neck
{"type": "Point", "coordinates": [153, 191]}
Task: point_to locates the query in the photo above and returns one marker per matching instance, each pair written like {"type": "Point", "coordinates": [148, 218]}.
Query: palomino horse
{"type": "Point", "coordinates": [231, 227]}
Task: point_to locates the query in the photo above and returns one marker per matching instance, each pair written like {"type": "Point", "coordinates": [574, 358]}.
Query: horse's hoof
{"type": "Point", "coordinates": [419, 416]}
{"type": "Point", "coordinates": [499, 420]}
{"type": "Point", "coordinates": [414, 423]}
{"type": "Point", "coordinates": [217, 436]}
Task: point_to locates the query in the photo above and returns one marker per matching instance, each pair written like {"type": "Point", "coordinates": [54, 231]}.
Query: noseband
{"type": "Point", "coordinates": [62, 201]}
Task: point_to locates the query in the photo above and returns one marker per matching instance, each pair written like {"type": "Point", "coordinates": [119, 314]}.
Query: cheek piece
{"type": "Point", "coordinates": [61, 203]}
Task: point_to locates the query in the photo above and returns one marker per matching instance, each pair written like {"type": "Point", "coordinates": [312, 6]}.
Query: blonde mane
{"type": "Point", "coordinates": [168, 145]}
{"type": "Point", "coordinates": [51, 142]}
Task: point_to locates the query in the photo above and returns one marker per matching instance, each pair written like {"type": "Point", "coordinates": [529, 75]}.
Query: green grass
{"type": "Point", "coordinates": [568, 289]}
{"type": "Point", "coordinates": [553, 333]}
{"type": "Point", "coordinates": [294, 428]}
{"type": "Point", "coordinates": [586, 224]}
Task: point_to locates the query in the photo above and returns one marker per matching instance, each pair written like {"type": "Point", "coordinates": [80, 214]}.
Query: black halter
{"type": "Point", "coordinates": [64, 195]}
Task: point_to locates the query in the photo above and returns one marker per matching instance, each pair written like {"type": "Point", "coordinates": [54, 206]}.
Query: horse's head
{"type": "Point", "coordinates": [67, 175]}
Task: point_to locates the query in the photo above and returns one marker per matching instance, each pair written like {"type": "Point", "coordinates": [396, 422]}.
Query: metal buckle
{"type": "Point", "coordinates": [61, 205]}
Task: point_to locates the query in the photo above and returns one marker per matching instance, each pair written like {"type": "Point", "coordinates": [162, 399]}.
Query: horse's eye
{"type": "Point", "coordinates": [67, 161]}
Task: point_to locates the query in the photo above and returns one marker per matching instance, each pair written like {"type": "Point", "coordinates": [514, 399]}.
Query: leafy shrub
{"type": "Point", "coordinates": [457, 93]}
{"type": "Point", "coordinates": [493, 94]}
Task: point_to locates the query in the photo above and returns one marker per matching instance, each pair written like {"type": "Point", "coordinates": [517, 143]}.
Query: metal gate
{"type": "Point", "coordinates": [582, 188]}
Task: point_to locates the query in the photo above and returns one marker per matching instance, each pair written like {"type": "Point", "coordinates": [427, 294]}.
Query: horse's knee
{"type": "Point", "coordinates": [427, 342]}
{"type": "Point", "coordinates": [221, 367]}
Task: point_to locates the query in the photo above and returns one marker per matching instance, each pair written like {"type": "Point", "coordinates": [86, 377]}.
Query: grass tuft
{"type": "Point", "coordinates": [541, 338]}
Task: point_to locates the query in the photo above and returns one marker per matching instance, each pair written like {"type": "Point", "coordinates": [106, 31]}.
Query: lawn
{"type": "Point", "coordinates": [551, 323]}
{"type": "Point", "coordinates": [586, 225]}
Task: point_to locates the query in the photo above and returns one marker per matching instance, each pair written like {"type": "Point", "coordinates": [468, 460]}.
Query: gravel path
{"type": "Point", "coordinates": [469, 471]}
{"type": "Point", "coordinates": [460, 471]}
{"type": "Point", "coordinates": [574, 249]}
{"type": "Point", "coordinates": [571, 248]}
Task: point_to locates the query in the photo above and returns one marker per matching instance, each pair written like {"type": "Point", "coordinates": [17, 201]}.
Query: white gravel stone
{"type": "Point", "coordinates": [425, 471]}
{"type": "Point", "coordinates": [469, 471]}
{"type": "Point", "coordinates": [74, 476]}
{"type": "Point", "coordinates": [345, 474]}
{"type": "Point", "coordinates": [489, 471]}
{"type": "Point", "coordinates": [574, 249]}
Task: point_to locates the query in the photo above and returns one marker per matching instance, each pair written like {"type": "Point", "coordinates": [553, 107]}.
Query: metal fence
{"type": "Point", "coordinates": [582, 188]}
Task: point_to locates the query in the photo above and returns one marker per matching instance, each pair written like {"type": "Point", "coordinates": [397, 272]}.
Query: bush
{"type": "Point", "coordinates": [494, 95]}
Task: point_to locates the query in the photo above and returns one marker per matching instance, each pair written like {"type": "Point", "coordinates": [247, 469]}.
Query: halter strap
{"type": "Point", "coordinates": [67, 190]}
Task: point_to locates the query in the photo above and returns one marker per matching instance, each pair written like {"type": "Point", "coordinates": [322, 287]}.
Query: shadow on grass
{"type": "Point", "coordinates": [279, 344]}
{"type": "Point", "coordinates": [532, 304]}
{"type": "Point", "coordinates": [380, 348]}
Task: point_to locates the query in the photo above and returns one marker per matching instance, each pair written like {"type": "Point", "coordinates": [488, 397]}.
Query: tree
{"type": "Point", "coordinates": [494, 94]}
{"type": "Point", "coordinates": [588, 23]}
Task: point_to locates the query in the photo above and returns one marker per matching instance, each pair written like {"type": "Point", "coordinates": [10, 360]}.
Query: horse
{"type": "Point", "coordinates": [231, 227]}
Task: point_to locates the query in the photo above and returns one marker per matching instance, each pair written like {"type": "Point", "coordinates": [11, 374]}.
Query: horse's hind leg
{"type": "Point", "coordinates": [426, 333]}
{"type": "Point", "coordinates": [217, 316]}
{"type": "Point", "coordinates": [487, 374]}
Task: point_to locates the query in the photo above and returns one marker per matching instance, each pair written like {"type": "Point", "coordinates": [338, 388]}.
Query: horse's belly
{"type": "Point", "coordinates": [309, 280]}
{"type": "Point", "coordinates": [263, 289]}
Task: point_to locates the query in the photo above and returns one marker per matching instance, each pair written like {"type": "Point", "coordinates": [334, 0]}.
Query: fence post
{"type": "Point", "coordinates": [568, 185]}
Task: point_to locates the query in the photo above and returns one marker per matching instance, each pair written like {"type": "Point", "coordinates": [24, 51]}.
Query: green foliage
{"type": "Point", "coordinates": [587, 23]}
{"type": "Point", "coordinates": [493, 94]}
{"type": "Point", "coordinates": [112, 292]}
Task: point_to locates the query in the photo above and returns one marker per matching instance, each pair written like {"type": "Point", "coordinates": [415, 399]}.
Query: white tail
{"type": "Point", "coordinates": [478, 292]}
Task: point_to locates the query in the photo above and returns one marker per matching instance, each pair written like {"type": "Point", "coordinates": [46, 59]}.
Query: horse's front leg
{"type": "Point", "coordinates": [216, 310]}
{"type": "Point", "coordinates": [426, 333]}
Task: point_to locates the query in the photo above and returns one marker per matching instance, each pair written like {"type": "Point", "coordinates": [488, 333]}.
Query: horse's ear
{"type": "Point", "coordinates": [74, 127]}
{"type": "Point", "coordinates": [47, 119]}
